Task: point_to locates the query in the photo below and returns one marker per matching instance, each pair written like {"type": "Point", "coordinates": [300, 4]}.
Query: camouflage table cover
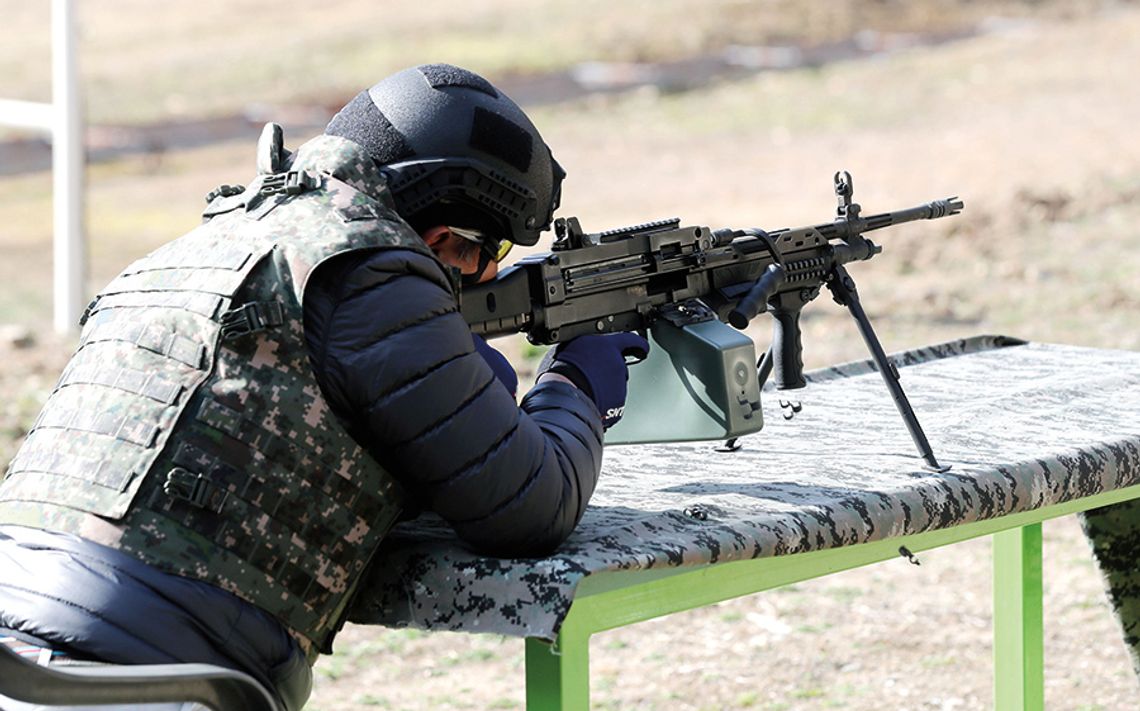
{"type": "Point", "coordinates": [1023, 426]}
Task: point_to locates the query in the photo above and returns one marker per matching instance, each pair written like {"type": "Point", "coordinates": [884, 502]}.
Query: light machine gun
{"type": "Point", "coordinates": [679, 285]}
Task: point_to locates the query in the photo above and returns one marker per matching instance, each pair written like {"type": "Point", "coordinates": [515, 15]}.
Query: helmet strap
{"type": "Point", "coordinates": [484, 261]}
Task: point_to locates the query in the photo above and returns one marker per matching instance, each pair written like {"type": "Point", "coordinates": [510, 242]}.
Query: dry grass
{"type": "Point", "coordinates": [213, 57]}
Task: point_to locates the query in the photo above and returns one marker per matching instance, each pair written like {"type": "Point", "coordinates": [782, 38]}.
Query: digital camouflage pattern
{"type": "Point", "coordinates": [1114, 534]}
{"type": "Point", "coordinates": [188, 429]}
{"type": "Point", "coordinates": [1024, 426]}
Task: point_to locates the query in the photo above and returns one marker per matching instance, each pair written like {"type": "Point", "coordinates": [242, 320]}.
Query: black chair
{"type": "Point", "coordinates": [216, 687]}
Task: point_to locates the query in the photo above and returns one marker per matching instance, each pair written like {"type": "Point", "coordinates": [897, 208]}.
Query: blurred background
{"type": "Point", "coordinates": [722, 113]}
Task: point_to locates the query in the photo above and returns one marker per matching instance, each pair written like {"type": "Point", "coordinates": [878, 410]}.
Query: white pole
{"type": "Point", "coordinates": [69, 260]}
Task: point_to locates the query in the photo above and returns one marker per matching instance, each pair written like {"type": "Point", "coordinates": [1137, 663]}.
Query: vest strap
{"type": "Point", "coordinates": [252, 317]}
{"type": "Point", "coordinates": [195, 489]}
{"type": "Point", "coordinates": [293, 182]}
{"type": "Point", "coordinates": [150, 385]}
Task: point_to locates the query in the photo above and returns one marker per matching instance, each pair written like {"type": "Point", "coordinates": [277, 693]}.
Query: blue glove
{"type": "Point", "coordinates": [502, 368]}
{"type": "Point", "coordinates": [597, 365]}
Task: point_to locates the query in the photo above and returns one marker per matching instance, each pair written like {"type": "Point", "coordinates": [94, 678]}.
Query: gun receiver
{"type": "Point", "coordinates": [636, 277]}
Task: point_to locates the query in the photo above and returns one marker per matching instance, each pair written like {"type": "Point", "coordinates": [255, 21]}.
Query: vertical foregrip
{"type": "Point", "coordinates": [787, 348]}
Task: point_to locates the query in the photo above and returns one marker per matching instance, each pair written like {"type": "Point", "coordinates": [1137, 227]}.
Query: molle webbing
{"type": "Point", "coordinates": [190, 418]}
{"type": "Point", "coordinates": [139, 357]}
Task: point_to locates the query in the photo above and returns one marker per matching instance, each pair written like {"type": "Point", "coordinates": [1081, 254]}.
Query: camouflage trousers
{"type": "Point", "coordinates": [1114, 536]}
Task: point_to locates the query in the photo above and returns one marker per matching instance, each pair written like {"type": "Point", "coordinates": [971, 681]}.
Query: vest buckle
{"type": "Point", "coordinates": [251, 317]}
{"type": "Point", "coordinates": [194, 489]}
{"type": "Point", "coordinates": [293, 182]}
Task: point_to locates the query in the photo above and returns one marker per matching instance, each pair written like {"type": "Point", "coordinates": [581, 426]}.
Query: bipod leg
{"type": "Point", "coordinates": [842, 288]}
{"type": "Point", "coordinates": [764, 367]}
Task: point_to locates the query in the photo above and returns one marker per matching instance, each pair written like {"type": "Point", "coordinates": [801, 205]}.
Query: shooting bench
{"type": "Point", "coordinates": [1025, 427]}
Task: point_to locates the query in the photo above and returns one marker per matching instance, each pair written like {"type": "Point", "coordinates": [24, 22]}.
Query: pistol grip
{"type": "Point", "coordinates": [787, 347]}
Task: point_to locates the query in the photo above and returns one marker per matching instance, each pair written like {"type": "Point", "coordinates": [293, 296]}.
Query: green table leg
{"type": "Point", "coordinates": [558, 675]}
{"type": "Point", "coordinates": [1019, 676]}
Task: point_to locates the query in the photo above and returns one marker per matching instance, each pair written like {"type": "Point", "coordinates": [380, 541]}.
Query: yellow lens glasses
{"type": "Point", "coordinates": [504, 248]}
{"type": "Point", "coordinates": [477, 237]}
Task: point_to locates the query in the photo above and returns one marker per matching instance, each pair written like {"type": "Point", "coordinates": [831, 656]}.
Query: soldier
{"type": "Point", "coordinates": [253, 405]}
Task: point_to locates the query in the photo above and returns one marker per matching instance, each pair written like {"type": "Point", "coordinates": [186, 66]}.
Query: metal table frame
{"type": "Point", "coordinates": [558, 673]}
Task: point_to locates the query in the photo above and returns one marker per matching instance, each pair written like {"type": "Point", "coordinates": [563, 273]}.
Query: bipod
{"type": "Point", "coordinates": [842, 288]}
{"type": "Point", "coordinates": [764, 295]}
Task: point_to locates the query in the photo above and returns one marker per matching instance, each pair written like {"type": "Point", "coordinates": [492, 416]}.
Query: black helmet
{"type": "Point", "coordinates": [456, 152]}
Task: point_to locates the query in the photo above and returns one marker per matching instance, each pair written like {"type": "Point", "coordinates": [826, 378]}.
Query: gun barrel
{"type": "Point", "coordinates": [844, 229]}
{"type": "Point", "coordinates": [927, 211]}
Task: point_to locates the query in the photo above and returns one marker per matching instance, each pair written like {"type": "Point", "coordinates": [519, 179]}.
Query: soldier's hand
{"type": "Point", "coordinates": [597, 364]}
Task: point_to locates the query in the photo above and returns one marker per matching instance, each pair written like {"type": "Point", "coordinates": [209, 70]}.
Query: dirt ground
{"type": "Point", "coordinates": [1031, 122]}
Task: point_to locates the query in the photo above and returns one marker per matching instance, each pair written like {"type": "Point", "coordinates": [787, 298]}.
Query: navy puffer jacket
{"type": "Point", "coordinates": [397, 363]}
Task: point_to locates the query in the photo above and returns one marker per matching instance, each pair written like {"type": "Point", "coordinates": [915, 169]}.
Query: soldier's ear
{"type": "Point", "coordinates": [435, 235]}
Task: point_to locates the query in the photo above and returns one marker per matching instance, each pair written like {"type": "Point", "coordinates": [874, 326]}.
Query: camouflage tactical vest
{"type": "Point", "coordinates": [188, 429]}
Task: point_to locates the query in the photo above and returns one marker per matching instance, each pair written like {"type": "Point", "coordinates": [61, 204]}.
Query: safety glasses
{"type": "Point", "coordinates": [496, 251]}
